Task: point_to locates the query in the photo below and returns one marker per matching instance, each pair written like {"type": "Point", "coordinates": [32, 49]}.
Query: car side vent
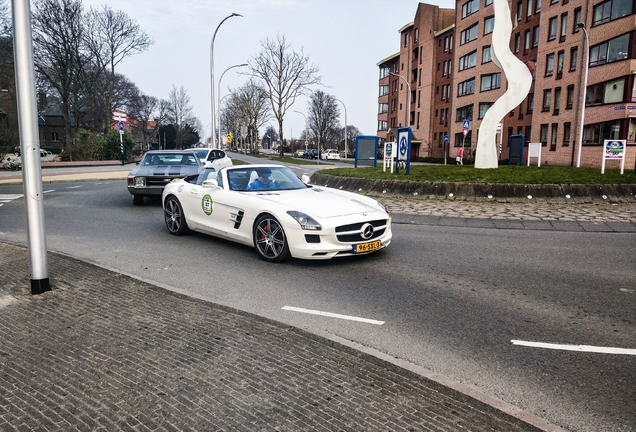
{"type": "Point", "coordinates": [238, 219]}
{"type": "Point", "coordinates": [312, 238]}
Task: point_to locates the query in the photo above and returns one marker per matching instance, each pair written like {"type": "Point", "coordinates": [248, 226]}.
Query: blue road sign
{"type": "Point", "coordinates": [403, 146]}
{"type": "Point", "coordinates": [446, 139]}
{"type": "Point", "coordinates": [121, 125]}
{"type": "Point", "coordinates": [466, 124]}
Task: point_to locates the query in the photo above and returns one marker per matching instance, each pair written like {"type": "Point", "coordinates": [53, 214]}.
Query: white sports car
{"type": "Point", "coordinates": [270, 208]}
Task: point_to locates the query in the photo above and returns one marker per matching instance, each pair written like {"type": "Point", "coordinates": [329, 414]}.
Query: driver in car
{"type": "Point", "coordinates": [263, 181]}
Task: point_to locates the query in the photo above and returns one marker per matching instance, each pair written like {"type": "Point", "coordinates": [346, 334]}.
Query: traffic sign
{"type": "Point", "coordinates": [466, 125]}
{"type": "Point", "coordinates": [121, 125]}
{"type": "Point", "coordinates": [446, 139]}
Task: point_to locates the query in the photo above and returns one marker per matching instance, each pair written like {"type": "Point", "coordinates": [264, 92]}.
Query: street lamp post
{"type": "Point", "coordinates": [345, 128]}
{"type": "Point", "coordinates": [212, 75]}
{"type": "Point", "coordinates": [408, 97]}
{"type": "Point", "coordinates": [218, 107]}
{"type": "Point", "coordinates": [587, 60]}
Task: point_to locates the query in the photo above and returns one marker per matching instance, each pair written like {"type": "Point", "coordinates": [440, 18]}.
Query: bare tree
{"type": "Point", "coordinates": [145, 110]}
{"type": "Point", "coordinates": [110, 37]}
{"type": "Point", "coordinates": [285, 73]}
{"type": "Point", "coordinates": [250, 103]}
{"type": "Point", "coordinates": [57, 38]}
{"type": "Point", "coordinates": [322, 116]}
{"type": "Point", "coordinates": [179, 114]}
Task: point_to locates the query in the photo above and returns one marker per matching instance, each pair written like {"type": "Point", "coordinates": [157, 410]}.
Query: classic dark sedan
{"type": "Point", "coordinates": [157, 169]}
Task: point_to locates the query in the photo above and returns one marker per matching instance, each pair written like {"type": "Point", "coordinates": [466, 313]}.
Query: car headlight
{"type": "Point", "coordinates": [140, 181]}
{"type": "Point", "coordinates": [306, 222]}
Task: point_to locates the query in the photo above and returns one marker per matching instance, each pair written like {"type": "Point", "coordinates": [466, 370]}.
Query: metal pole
{"type": "Point", "coordinates": [30, 145]}
{"type": "Point", "coordinates": [587, 60]}
{"type": "Point", "coordinates": [218, 107]}
{"type": "Point", "coordinates": [345, 128]}
{"type": "Point", "coordinates": [213, 144]}
{"type": "Point", "coordinates": [408, 97]}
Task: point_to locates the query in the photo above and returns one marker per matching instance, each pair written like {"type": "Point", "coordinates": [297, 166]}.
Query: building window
{"type": "Point", "coordinates": [416, 34]}
{"type": "Point", "coordinates": [528, 134]}
{"type": "Point", "coordinates": [529, 11]}
{"type": "Point", "coordinates": [384, 90]}
{"type": "Point", "coordinates": [485, 55]}
{"type": "Point", "coordinates": [527, 42]}
{"type": "Point", "coordinates": [549, 64]}
{"type": "Point", "coordinates": [384, 72]}
{"type": "Point", "coordinates": [483, 107]}
{"type": "Point", "coordinates": [577, 20]}
{"type": "Point", "coordinates": [470, 8]}
{"type": "Point", "coordinates": [557, 101]}
{"type": "Point", "coordinates": [537, 8]}
{"type": "Point", "coordinates": [535, 36]}
{"type": "Point", "coordinates": [517, 42]}
{"type": "Point", "coordinates": [382, 125]}
{"type": "Point", "coordinates": [607, 52]}
{"type": "Point", "coordinates": [547, 100]}
{"type": "Point", "coordinates": [564, 27]}
{"type": "Point", "coordinates": [560, 60]}
{"type": "Point", "coordinates": [466, 87]}
{"type": "Point", "coordinates": [490, 81]}
{"type": "Point", "coordinates": [552, 28]}
{"type": "Point", "coordinates": [606, 92]}
{"type": "Point", "coordinates": [530, 100]}
{"type": "Point", "coordinates": [470, 34]}
{"type": "Point", "coordinates": [488, 2]}
{"type": "Point", "coordinates": [569, 97]}
{"type": "Point", "coordinates": [611, 10]}
{"type": "Point", "coordinates": [489, 23]}
{"type": "Point", "coordinates": [468, 61]}
{"type": "Point", "coordinates": [574, 58]}
{"type": "Point", "coordinates": [544, 134]}
{"type": "Point", "coordinates": [567, 128]}
{"type": "Point", "coordinates": [553, 138]}
{"type": "Point", "coordinates": [55, 137]}
{"type": "Point", "coordinates": [383, 107]}
{"type": "Point", "coordinates": [464, 113]}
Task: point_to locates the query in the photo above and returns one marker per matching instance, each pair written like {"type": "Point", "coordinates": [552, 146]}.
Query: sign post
{"type": "Point", "coordinates": [243, 135]}
{"type": "Point", "coordinates": [389, 156]}
{"type": "Point", "coordinates": [404, 149]}
{"type": "Point", "coordinates": [121, 139]}
{"type": "Point", "coordinates": [614, 150]}
{"type": "Point", "coordinates": [465, 129]}
{"type": "Point", "coordinates": [445, 140]}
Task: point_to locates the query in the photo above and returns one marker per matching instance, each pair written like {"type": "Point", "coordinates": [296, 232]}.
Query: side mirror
{"type": "Point", "coordinates": [305, 179]}
{"type": "Point", "coordinates": [210, 184]}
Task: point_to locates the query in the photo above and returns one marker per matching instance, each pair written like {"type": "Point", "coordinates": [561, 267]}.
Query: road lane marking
{"type": "Point", "coordinates": [581, 348]}
{"type": "Point", "coordinates": [9, 197]}
{"type": "Point", "coordinates": [332, 315]}
{"type": "Point", "coordinates": [73, 187]}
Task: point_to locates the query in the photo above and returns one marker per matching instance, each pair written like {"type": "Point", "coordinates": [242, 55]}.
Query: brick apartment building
{"type": "Point", "coordinates": [445, 56]}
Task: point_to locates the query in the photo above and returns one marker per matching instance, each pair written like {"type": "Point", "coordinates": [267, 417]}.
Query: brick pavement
{"type": "Point", "coordinates": [103, 351]}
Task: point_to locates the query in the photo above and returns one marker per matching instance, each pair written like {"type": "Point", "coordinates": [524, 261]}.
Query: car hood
{"type": "Point", "coordinates": [321, 202]}
{"type": "Point", "coordinates": [165, 170]}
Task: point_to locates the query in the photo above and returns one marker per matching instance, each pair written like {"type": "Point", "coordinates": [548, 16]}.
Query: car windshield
{"type": "Point", "coordinates": [260, 178]}
{"type": "Point", "coordinates": [202, 153]}
{"type": "Point", "coordinates": [169, 159]}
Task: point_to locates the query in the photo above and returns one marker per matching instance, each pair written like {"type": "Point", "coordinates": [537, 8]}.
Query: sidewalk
{"type": "Point", "coordinates": [105, 351]}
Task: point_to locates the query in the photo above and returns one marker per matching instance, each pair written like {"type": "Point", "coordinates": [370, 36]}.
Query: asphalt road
{"type": "Point", "coordinates": [451, 299]}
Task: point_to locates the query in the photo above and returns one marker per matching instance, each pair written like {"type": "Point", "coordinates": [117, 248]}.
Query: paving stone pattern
{"type": "Point", "coordinates": [103, 352]}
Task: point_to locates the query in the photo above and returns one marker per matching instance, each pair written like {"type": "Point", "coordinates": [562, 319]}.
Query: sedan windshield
{"type": "Point", "coordinates": [259, 178]}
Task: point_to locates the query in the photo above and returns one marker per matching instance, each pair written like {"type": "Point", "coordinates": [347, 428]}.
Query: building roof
{"type": "Point", "coordinates": [411, 24]}
{"type": "Point", "coordinates": [391, 57]}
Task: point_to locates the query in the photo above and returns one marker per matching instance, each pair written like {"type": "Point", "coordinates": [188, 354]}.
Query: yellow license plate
{"type": "Point", "coordinates": [367, 247]}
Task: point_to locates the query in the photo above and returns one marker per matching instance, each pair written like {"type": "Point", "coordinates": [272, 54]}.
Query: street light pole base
{"type": "Point", "coordinates": [39, 286]}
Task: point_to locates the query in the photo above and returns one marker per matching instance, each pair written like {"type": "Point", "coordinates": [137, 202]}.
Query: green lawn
{"type": "Point", "coordinates": [504, 174]}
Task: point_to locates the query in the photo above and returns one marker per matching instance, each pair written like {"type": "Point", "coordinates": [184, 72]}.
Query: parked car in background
{"type": "Point", "coordinates": [269, 208]}
{"type": "Point", "coordinates": [312, 154]}
{"type": "Point", "coordinates": [17, 152]}
{"type": "Point", "coordinates": [299, 153]}
{"type": "Point", "coordinates": [330, 154]}
{"type": "Point", "coordinates": [213, 158]}
{"type": "Point", "coordinates": [158, 168]}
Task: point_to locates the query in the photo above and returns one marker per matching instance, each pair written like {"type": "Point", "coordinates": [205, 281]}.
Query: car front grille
{"type": "Point", "coordinates": [353, 233]}
{"type": "Point", "coordinates": [158, 181]}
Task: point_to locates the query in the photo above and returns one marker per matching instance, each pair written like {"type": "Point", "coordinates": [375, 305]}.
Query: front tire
{"type": "Point", "coordinates": [174, 217]}
{"type": "Point", "coordinates": [270, 240]}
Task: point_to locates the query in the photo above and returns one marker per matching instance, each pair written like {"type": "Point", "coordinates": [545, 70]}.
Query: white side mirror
{"type": "Point", "coordinates": [305, 179]}
{"type": "Point", "coordinates": [210, 184]}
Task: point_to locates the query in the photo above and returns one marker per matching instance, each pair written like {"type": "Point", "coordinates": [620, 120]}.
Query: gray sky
{"type": "Point", "coordinates": [345, 39]}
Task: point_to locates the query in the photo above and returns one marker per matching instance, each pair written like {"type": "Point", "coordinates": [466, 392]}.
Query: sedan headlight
{"type": "Point", "coordinates": [306, 222]}
{"type": "Point", "coordinates": [140, 181]}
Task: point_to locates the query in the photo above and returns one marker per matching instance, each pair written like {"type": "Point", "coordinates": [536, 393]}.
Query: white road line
{"type": "Point", "coordinates": [581, 348]}
{"type": "Point", "coordinates": [73, 187]}
{"type": "Point", "coordinates": [10, 196]}
{"type": "Point", "coordinates": [332, 315]}
{"type": "Point", "coordinates": [50, 190]}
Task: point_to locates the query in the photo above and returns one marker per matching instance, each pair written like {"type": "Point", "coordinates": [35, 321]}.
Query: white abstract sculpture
{"type": "Point", "coordinates": [519, 81]}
